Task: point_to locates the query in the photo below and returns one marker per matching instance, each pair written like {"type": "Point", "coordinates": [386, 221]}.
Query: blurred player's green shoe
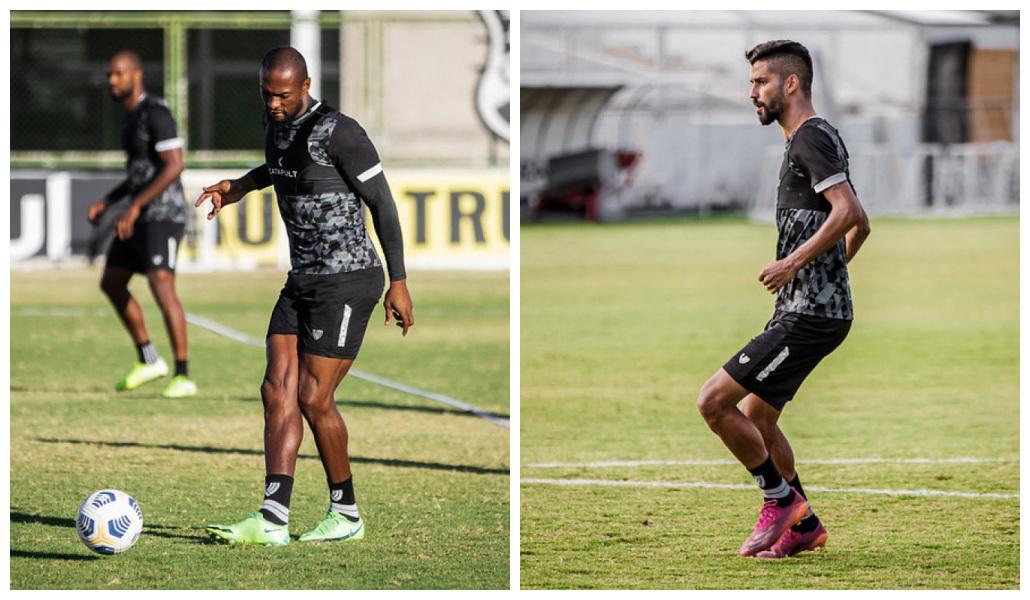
{"type": "Point", "coordinates": [142, 373]}
{"type": "Point", "coordinates": [252, 530]}
{"type": "Point", "coordinates": [179, 387]}
{"type": "Point", "coordinates": [335, 528]}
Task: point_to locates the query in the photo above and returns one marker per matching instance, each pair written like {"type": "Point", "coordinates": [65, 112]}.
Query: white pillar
{"type": "Point", "coordinates": [58, 218]}
{"type": "Point", "coordinates": [306, 37]}
{"type": "Point", "coordinates": [32, 235]}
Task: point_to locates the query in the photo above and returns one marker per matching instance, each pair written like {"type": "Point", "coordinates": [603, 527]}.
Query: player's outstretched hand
{"type": "Point", "coordinates": [221, 194]}
{"type": "Point", "coordinates": [398, 306]}
{"type": "Point", "coordinates": [96, 210]}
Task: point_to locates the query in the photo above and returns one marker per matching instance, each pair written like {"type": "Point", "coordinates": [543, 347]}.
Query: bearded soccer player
{"type": "Point", "coordinates": [150, 227]}
{"type": "Point", "coordinates": [821, 227]}
{"type": "Point", "coordinates": [324, 169]}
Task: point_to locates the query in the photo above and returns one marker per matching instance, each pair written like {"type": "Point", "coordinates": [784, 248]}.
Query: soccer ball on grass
{"type": "Point", "coordinates": [109, 522]}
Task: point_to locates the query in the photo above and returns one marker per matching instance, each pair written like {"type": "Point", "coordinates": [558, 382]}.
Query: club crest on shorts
{"type": "Point", "coordinates": [316, 333]}
{"type": "Point", "coordinates": [157, 259]}
{"type": "Point", "coordinates": [744, 359]}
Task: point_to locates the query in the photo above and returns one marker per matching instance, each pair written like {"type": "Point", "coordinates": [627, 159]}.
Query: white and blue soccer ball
{"type": "Point", "coordinates": [109, 522]}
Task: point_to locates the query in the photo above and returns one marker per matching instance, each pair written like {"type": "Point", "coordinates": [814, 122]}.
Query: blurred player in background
{"type": "Point", "coordinates": [150, 227]}
{"type": "Point", "coordinates": [821, 227]}
{"type": "Point", "coordinates": [324, 168]}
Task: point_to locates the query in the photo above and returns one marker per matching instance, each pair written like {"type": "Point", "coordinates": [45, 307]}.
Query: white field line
{"type": "Point", "coordinates": [222, 330]}
{"type": "Point", "coordinates": [741, 486]}
{"type": "Point", "coordinates": [826, 461]}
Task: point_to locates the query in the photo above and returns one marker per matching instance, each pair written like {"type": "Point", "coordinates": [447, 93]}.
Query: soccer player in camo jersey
{"type": "Point", "coordinates": [150, 227]}
{"type": "Point", "coordinates": [324, 169]}
{"type": "Point", "coordinates": [821, 227]}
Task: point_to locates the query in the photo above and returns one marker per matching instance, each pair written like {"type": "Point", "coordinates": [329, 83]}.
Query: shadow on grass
{"type": "Point", "coordinates": [388, 462]}
{"type": "Point", "coordinates": [422, 409]}
{"type": "Point", "coordinates": [148, 527]}
{"type": "Point", "coordinates": [434, 410]}
{"type": "Point", "coordinates": [50, 555]}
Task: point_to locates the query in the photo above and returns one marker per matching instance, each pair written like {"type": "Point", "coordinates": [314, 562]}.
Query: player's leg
{"type": "Point", "coordinates": [115, 285]}
{"type": "Point", "coordinates": [717, 404]}
{"type": "Point", "coordinates": [766, 417]}
{"type": "Point", "coordinates": [319, 377]}
{"type": "Point", "coordinates": [160, 243]}
{"type": "Point", "coordinates": [284, 432]}
{"type": "Point", "coordinates": [809, 533]}
{"type": "Point", "coordinates": [782, 507]}
{"type": "Point", "coordinates": [162, 284]}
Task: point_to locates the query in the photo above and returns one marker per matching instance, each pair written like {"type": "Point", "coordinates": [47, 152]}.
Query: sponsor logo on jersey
{"type": "Point", "coordinates": [280, 171]}
{"type": "Point", "coordinates": [291, 173]}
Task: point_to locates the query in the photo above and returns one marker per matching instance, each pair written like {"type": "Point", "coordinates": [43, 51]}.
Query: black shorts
{"type": "Point", "coordinates": [328, 313]}
{"type": "Point", "coordinates": [775, 362]}
{"type": "Point", "coordinates": [152, 246]}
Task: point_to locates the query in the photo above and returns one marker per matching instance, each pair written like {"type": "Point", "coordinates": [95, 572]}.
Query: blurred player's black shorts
{"type": "Point", "coordinates": [775, 362]}
{"type": "Point", "coordinates": [328, 313]}
{"type": "Point", "coordinates": [152, 246]}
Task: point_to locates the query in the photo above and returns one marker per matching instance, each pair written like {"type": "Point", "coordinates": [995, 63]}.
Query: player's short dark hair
{"type": "Point", "coordinates": [131, 55]}
{"type": "Point", "coordinates": [285, 58]}
{"type": "Point", "coordinates": [786, 57]}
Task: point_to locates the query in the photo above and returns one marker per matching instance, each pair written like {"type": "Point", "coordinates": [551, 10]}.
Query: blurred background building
{"type": "Point", "coordinates": [648, 111]}
{"type": "Point", "coordinates": [430, 87]}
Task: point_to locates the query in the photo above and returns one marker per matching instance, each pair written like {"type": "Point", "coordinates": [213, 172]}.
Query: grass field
{"type": "Point", "coordinates": [621, 324]}
{"type": "Point", "coordinates": [432, 482]}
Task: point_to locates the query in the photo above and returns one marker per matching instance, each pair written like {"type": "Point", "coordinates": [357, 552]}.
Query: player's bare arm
{"type": "Point", "coordinates": [857, 234]}
{"type": "Point", "coordinates": [846, 218]}
{"type": "Point", "coordinates": [229, 191]}
{"type": "Point", "coordinates": [169, 174]}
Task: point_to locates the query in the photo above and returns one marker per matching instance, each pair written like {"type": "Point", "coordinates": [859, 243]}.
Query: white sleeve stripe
{"type": "Point", "coordinates": [372, 172]}
{"type": "Point", "coordinates": [170, 144]}
{"type": "Point", "coordinates": [829, 182]}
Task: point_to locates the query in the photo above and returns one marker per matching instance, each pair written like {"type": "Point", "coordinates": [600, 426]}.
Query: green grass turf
{"type": "Point", "coordinates": [432, 483]}
{"type": "Point", "coordinates": [621, 324]}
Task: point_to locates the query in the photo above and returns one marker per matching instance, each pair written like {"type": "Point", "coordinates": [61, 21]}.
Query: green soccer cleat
{"type": "Point", "coordinates": [252, 530]}
{"type": "Point", "coordinates": [335, 528]}
{"type": "Point", "coordinates": [179, 387]}
{"type": "Point", "coordinates": [142, 373]}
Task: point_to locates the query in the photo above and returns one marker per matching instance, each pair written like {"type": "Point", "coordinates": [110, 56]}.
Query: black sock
{"type": "Point", "coordinates": [772, 483]}
{"type": "Point", "coordinates": [341, 499]}
{"type": "Point", "coordinates": [810, 521]}
{"type": "Point", "coordinates": [276, 507]}
{"type": "Point", "coordinates": [180, 367]}
{"type": "Point", "coordinates": [146, 353]}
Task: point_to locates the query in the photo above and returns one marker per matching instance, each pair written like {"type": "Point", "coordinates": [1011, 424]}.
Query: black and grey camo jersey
{"type": "Point", "coordinates": [150, 130]}
{"type": "Point", "coordinates": [323, 167]}
{"type": "Point", "coordinates": [815, 160]}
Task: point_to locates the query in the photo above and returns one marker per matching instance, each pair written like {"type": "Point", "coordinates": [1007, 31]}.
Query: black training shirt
{"type": "Point", "coordinates": [323, 167]}
{"type": "Point", "coordinates": [150, 130]}
{"type": "Point", "coordinates": [815, 159]}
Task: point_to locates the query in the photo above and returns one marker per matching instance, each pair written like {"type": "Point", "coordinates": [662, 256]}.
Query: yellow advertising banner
{"type": "Point", "coordinates": [451, 219]}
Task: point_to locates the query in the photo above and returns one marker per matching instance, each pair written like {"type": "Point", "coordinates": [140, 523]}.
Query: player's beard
{"type": "Point", "coordinates": [771, 111]}
{"type": "Point", "coordinates": [120, 94]}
